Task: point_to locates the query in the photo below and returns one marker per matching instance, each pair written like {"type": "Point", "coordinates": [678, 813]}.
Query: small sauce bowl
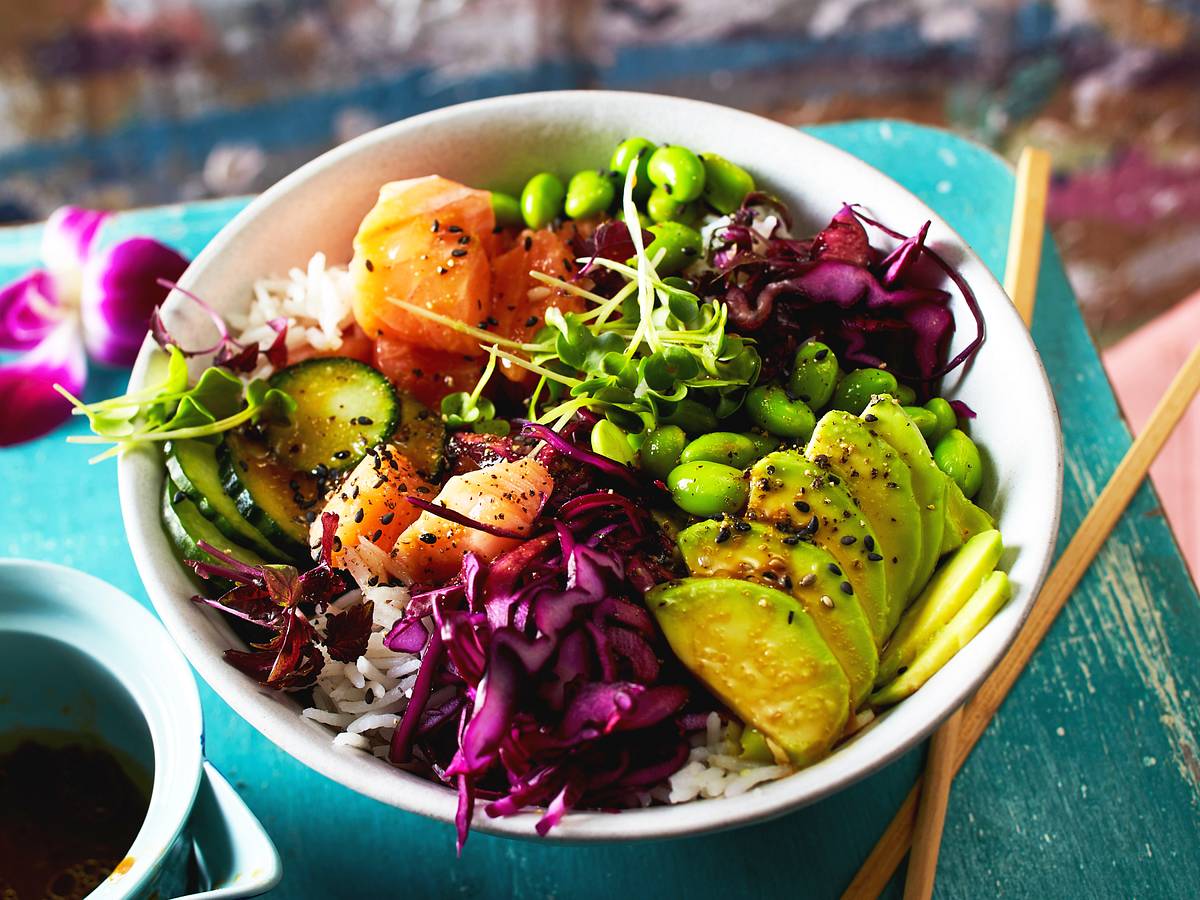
{"type": "Point", "coordinates": [79, 657]}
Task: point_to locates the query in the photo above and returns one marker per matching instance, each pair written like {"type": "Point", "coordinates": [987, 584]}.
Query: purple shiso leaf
{"type": "Point", "coordinates": [587, 457]}
{"type": "Point", "coordinates": [612, 240]}
{"type": "Point", "coordinates": [232, 569]}
{"type": "Point", "coordinates": [401, 748]}
{"type": "Point", "coordinates": [68, 238]}
{"type": "Point", "coordinates": [24, 305]}
{"type": "Point", "coordinates": [962, 410]}
{"type": "Point", "coordinates": [31, 406]}
{"type": "Point", "coordinates": [347, 633]}
{"type": "Point", "coordinates": [458, 518]}
{"type": "Point", "coordinates": [120, 291]}
{"type": "Point", "coordinates": [843, 239]}
{"type": "Point", "coordinates": [277, 353]}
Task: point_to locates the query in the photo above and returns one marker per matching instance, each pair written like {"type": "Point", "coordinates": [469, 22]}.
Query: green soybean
{"type": "Point", "coordinates": [770, 408]}
{"type": "Point", "coordinates": [661, 450]}
{"type": "Point", "coordinates": [763, 443]}
{"type": "Point", "coordinates": [542, 200]}
{"type": "Point", "coordinates": [814, 374]}
{"type": "Point", "coordinates": [680, 245]}
{"type": "Point", "coordinates": [946, 419]}
{"type": "Point", "coordinates": [708, 488]}
{"type": "Point", "coordinates": [856, 388]}
{"type": "Point", "coordinates": [609, 440]}
{"type": "Point", "coordinates": [726, 447]}
{"type": "Point", "coordinates": [925, 421]}
{"type": "Point", "coordinates": [627, 151]}
{"type": "Point", "coordinates": [957, 456]}
{"type": "Point", "coordinates": [662, 207]}
{"type": "Point", "coordinates": [725, 184]}
{"type": "Point", "coordinates": [507, 210]}
{"type": "Point", "coordinates": [589, 193]}
{"type": "Point", "coordinates": [678, 170]}
{"type": "Point", "coordinates": [690, 415]}
{"type": "Point", "coordinates": [905, 395]}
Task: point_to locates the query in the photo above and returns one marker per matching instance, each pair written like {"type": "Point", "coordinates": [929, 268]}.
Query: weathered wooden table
{"type": "Point", "coordinates": [1087, 784]}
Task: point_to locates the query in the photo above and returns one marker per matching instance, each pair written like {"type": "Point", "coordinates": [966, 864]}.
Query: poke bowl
{"type": "Point", "coordinates": [661, 625]}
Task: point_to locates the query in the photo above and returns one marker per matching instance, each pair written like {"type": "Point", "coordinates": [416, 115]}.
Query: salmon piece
{"type": "Point", "coordinates": [427, 241]}
{"type": "Point", "coordinates": [520, 301]}
{"type": "Point", "coordinates": [508, 495]}
{"type": "Point", "coordinates": [370, 503]}
{"type": "Point", "coordinates": [429, 375]}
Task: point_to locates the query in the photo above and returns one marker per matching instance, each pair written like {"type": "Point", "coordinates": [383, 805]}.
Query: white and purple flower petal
{"type": "Point", "coordinates": [31, 406]}
{"type": "Point", "coordinates": [67, 242]}
{"type": "Point", "coordinates": [121, 287]}
{"type": "Point", "coordinates": [28, 310]}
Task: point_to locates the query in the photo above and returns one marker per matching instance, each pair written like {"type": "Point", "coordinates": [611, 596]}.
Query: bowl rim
{"type": "Point", "coordinates": [375, 778]}
{"type": "Point", "coordinates": [169, 702]}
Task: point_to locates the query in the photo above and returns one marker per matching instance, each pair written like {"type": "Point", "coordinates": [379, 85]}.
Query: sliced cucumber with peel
{"type": "Point", "coordinates": [262, 491]}
{"type": "Point", "coordinates": [187, 527]}
{"type": "Point", "coordinates": [343, 408]}
{"type": "Point", "coordinates": [193, 469]}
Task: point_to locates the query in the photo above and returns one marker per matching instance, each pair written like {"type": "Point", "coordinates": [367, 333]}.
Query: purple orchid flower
{"type": "Point", "coordinates": [83, 302]}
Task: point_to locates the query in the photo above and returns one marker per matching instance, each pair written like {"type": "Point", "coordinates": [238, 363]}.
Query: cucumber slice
{"type": "Point", "coordinates": [275, 500]}
{"type": "Point", "coordinates": [186, 527]}
{"type": "Point", "coordinates": [420, 436]}
{"type": "Point", "coordinates": [343, 408]}
{"type": "Point", "coordinates": [192, 467]}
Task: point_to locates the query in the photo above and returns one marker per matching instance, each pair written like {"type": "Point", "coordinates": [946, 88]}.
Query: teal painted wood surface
{"type": "Point", "coordinates": [1087, 783]}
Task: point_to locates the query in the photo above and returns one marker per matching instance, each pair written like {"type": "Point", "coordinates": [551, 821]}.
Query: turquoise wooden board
{"type": "Point", "coordinates": [1087, 783]}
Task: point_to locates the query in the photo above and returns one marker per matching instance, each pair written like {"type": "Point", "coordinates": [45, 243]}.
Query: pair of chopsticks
{"type": "Point", "coordinates": [921, 816]}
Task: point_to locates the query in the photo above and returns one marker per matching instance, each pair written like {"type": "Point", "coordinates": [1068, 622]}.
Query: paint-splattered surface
{"type": "Point", "coordinates": [128, 103]}
{"type": "Point", "coordinates": [1087, 784]}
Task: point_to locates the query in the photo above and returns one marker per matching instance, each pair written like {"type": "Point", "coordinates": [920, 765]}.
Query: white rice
{"type": "Point", "coordinates": [715, 767]}
{"type": "Point", "coordinates": [315, 301]}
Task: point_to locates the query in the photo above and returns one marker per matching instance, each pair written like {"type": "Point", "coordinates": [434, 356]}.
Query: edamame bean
{"type": "Point", "coordinates": [609, 440]}
{"type": "Point", "coordinates": [690, 415]}
{"type": "Point", "coordinates": [726, 447]}
{"type": "Point", "coordinates": [680, 245]}
{"type": "Point", "coordinates": [725, 184]}
{"type": "Point", "coordinates": [627, 151]}
{"type": "Point", "coordinates": [957, 456]}
{"type": "Point", "coordinates": [708, 488]}
{"type": "Point", "coordinates": [946, 419]}
{"type": "Point", "coordinates": [589, 193]}
{"type": "Point", "coordinates": [542, 200]}
{"type": "Point", "coordinates": [763, 443]}
{"type": "Point", "coordinates": [679, 171]}
{"type": "Point", "coordinates": [662, 207]}
{"type": "Point", "coordinates": [925, 421]}
{"type": "Point", "coordinates": [770, 408]}
{"type": "Point", "coordinates": [814, 374]}
{"type": "Point", "coordinates": [661, 450]}
{"type": "Point", "coordinates": [507, 210]}
{"type": "Point", "coordinates": [905, 395]}
{"type": "Point", "coordinates": [856, 388]}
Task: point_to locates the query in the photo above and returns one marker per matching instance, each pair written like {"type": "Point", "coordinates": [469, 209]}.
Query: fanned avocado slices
{"type": "Point", "coordinates": [745, 550]}
{"type": "Point", "coordinates": [885, 419]}
{"type": "Point", "coordinates": [791, 493]}
{"type": "Point", "coordinates": [757, 649]}
{"type": "Point", "coordinates": [881, 483]}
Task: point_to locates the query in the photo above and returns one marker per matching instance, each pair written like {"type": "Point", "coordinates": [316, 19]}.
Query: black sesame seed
{"type": "Point", "coordinates": [465, 239]}
{"type": "Point", "coordinates": [428, 538]}
{"type": "Point", "coordinates": [369, 697]}
{"type": "Point", "coordinates": [848, 539]}
{"type": "Point", "coordinates": [458, 252]}
{"type": "Point", "coordinates": [792, 540]}
{"type": "Point", "coordinates": [723, 534]}
{"type": "Point", "coordinates": [833, 569]}
{"type": "Point", "coordinates": [387, 518]}
{"type": "Point", "coordinates": [531, 321]}
{"type": "Point", "coordinates": [358, 515]}
{"type": "Point", "coordinates": [791, 615]}
{"type": "Point", "coordinates": [741, 526]}
{"type": "Point", "coordinates": [310, 517]}
{"type": "Point", "coordinates": [528, 243]}
{"type": "Point", "coordinates": [179, 497]}
{"type": "Point", "coordinates": [875, 557]}
{"type": "Point", "coordinates": [820, 355]}
{"type": "Point", "coordinates": [342, 454]}
{"type": "Point", "coordinates": [370, 266]}
{"type": "Point", "coordinates": [869, 542]}
{"type": "Point", "coordinates": [802, 506]}
{"type": "Point", "coordinates": [870, 417]}
{"type": "Point", "coordinates": [337, 543]}
{"type": "Point", "coordinates": [377, 535]}
{"type": "Point", "coordinates": [435, 225]}
{"type": "Point", "coordinates": [454, 229]}
{"type": "Point", "coordinates": [846, 587]}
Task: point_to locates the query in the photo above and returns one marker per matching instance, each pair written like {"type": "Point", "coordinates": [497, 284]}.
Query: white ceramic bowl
{"type": "Point", "coordinates": [497, 144]}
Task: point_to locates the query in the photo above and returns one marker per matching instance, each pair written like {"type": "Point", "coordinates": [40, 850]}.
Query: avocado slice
{"type": "Point", "coordinates": [964, 519]}
{"type": "Point", "coordinates": [880, 482]}
{"type": "Point", "coordinates": [789, 491]}
{"type": "Point", "coordinates": [733, 548]}
{"type": "Point", "coordinates": [885, 419]}
{"type": "Point", "coordinates": [760, 653]}
{"type": "Point", "coordinates": [992, 594]}
{"type": "Point", "coordinates": [945, 595]}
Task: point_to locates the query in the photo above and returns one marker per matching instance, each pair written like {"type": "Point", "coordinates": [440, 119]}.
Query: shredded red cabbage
{"type": "Point", "coordinates": [874, 310]}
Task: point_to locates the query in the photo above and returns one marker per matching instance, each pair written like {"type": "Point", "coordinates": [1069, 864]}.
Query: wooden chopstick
{"type": "Point", "coordinates": [888, 852]}
{"type": "Point", "coordinates": [1020, 281]}
{"type": "Point", "coordinates": [1028, 227]}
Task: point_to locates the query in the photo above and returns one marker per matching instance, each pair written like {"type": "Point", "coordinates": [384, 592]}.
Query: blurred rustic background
{"type": "Point", "coordinates": [132, 102]}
